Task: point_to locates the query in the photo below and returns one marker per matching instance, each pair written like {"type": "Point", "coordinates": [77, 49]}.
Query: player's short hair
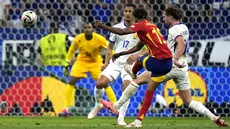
{"type": "Point", "coordinates": [175, 12]}
{"type": "Point", "coordinates": [131, 5]}
{"type": "Point", "coordinates": [86, 23]}
{"type": "Point", "coordinates": [140, 13]}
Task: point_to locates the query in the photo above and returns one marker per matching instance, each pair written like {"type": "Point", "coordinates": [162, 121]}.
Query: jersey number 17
{"type": "Point", "coordinates": [125, 43]}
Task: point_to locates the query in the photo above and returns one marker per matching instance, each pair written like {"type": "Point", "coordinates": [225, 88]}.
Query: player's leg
{"type": "Point", "coordinates": [200, 108]}
{"type": "Point", "coordinates": [110, 94]}
{"type": "Point", "coordinates": [132, 70]}
{"type": "Point", "coordinates": [132, 88]}
{"type": "Point", "coordinates": [95, 73]}
{"type": "Point", "coordinates": [99, 91]}
{"type": "Point", "coordinates": [122, 111]}
{"type": "Point", "coordinates": [183, 84]}
{"type": "Point", "coordinates": [77, 72]}
{"type": "Point", "coordinates": [152, 85]}
{"type": "Point", "coordinates": [70, 91]}
{"type": "Point", "coordinates": [107, 75]}
{"type": "Point", "coordinates": [124, 107]}
{"type": "Point", "coordinates": [158, 74]}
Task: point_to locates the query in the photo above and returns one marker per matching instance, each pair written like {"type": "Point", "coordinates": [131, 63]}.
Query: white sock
{"type": "Point", "coordinates": [200, 108]}
{"type": "Point", "coordinates": [123, 109]}
{"type": "Point", "coordinates": [126, 95]}
{"type": "Point", "coordinates": [98, 94]}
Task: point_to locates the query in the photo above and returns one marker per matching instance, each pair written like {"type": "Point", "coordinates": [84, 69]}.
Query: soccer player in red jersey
{"type": "Point", "coordinates": [159, 60]}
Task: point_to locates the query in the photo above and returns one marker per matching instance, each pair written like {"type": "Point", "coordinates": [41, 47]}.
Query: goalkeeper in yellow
{"type": "Point", "coordinates": [89, 60]}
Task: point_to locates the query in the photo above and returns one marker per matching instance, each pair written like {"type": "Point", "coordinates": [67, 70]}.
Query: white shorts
{"type": "Point", "coordinates": [180, 78]}
{"type": "Point", "coordinates": [113, 71]}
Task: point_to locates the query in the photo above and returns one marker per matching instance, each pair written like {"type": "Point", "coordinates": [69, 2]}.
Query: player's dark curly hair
{"type": "Point", "coordinates": [140, 13]}
{"type": "Point", "coordinates": [175, 12]}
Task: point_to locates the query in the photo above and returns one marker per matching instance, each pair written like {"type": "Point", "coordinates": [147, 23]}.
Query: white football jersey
{"type": "Point", "coordinates": [179, 29]}
{"type": "Point", "coordinates": [123, 43]}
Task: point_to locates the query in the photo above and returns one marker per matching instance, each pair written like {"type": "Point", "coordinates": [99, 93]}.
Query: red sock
{"type": "Point", "coordinates": [147, 103]}
{"type": "Point", "coordinates": [137, 67]}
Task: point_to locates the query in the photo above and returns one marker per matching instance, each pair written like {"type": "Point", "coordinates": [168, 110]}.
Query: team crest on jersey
{"type": "Point", "coordinates": [198, 90]}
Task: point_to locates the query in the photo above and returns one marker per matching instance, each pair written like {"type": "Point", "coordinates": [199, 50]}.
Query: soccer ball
{"type": "Point", "coordinates": [29, 18]}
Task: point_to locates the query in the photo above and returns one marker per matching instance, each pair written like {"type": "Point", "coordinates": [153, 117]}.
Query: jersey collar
{"type": "Point", "coordinates": [125, 24]}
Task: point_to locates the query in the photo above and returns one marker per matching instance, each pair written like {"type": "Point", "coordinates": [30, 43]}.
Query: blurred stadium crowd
{"type": "Point", "coordinates": [207, 18]}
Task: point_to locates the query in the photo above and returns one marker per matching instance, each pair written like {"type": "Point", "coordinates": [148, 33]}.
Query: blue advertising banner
{"type": "Point", "coordinates": [208, 85]}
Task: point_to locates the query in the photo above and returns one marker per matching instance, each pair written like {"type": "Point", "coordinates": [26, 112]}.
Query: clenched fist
{"type": "Point", "coordinates": [98, 24]}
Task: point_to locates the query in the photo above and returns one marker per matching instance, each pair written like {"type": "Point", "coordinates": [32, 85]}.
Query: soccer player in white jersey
{"type": "Point", "coordinates": [112, 70]}
{"type": "Point", "coordinates": [178, 43]}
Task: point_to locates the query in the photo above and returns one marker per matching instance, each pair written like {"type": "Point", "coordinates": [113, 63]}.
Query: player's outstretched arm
{"type": "Point", "coordinates": [114, 30]}
{"type": "Point", "coordinates": [132, 50]}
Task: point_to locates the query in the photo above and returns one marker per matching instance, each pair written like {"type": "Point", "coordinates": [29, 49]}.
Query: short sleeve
{"type": "Point", "coordinates": [104, 42]}
{"type": "Point", "coordinates": [174, 33]}
{"type": "Point", "coordinates": [112, 38]}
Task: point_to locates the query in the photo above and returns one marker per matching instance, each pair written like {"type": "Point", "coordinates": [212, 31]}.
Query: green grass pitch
{"type": "Point", "coordinates": [103, 123]}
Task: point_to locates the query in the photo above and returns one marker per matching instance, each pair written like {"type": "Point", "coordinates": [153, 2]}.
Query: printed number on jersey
{"type": "Point", "coordinates": [156, 33]}
{"type": "Point", "coordinates": [125, 43]}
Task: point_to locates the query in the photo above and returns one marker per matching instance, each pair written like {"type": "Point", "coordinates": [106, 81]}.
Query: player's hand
{"type": "Point", "coordinates": [178, 64]}
{"type": "Point", "coordinates": [132, 58]}
{"type": "Point", "coordinates": [66, 69]}
{"type": "Point", "coordinates": [98, 24]}
{"type": "Point", "coordinates": [115, 56]}
{"type": "Point", "coordinates": [104, 66]}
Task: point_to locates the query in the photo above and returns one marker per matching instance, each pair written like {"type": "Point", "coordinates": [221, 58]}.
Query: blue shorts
{"type": "Point", "coordinates": [158, 68]}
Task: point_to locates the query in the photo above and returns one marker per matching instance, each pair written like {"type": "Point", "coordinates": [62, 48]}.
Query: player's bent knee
{"type": "Point", "coordinates": [101, 84]}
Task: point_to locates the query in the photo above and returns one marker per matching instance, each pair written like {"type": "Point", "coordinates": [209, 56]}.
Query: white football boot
{"type": "Point", "coordinates": [93, 113]}
{"type": "Point", "coordinates": [135, 124]}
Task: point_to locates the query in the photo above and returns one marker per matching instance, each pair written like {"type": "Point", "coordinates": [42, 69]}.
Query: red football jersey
{"type": "Point", "coordinates": [151, 36]}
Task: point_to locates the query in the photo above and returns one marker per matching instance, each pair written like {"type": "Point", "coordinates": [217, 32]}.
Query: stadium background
{"type": "Point", "coordinates": [25, 84]}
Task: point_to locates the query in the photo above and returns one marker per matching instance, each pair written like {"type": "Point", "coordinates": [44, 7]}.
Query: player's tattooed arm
{"type": "Point", "coordinates": [114, 30]}
{"type": "Point", "coordinates": [132, 50]}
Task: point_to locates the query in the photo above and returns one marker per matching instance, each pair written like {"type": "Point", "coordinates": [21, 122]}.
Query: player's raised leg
{"type": "Point", "coordinates": [132, 88]}
{"type": "Point", "coordinates": [152, 85]}
{"type": "Point", "coordinates": [132, 70]}
{"type": "Point", "coordinates": [158, 75]}
{"type": "Point", "coordinates": [129, 91]}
